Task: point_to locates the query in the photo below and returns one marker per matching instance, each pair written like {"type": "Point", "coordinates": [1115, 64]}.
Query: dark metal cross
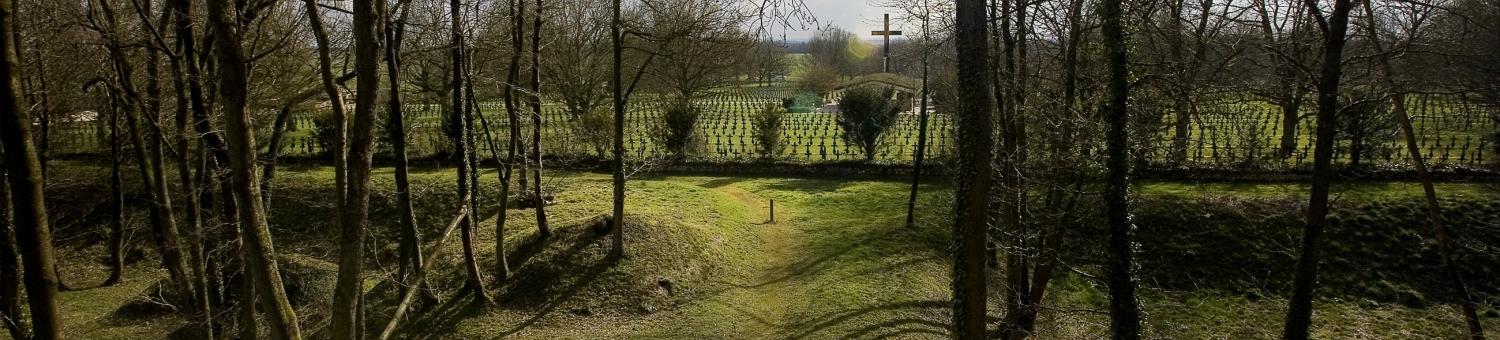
{"type": "Point", "coordinates": [886, 49]}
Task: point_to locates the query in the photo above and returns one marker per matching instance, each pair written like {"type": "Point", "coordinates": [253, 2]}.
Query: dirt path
{"type": "Point", "coordinates": [755, 304]}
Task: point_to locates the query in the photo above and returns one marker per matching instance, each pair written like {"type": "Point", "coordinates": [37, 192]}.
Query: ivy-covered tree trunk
{"type": "Point", "coordinates": [972, 180]}
{"type": "Point", "coordinates": [1124, 309]}
{"type": "Point", "coordinates": [465, 120]}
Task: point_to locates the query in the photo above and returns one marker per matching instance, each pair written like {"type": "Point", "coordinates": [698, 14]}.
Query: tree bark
{"type": "Point", "coordinates": [10, 265]}
{"type": "Point", "coordinates": [411, 263]}
{"type": "Point", "coordinates": [513, 140]}
{"type": "Point", "coordinates": [335, 102]}
{"type": "Point", "coordinates": [258, 250]}
{"type": "Point", "coordinates": [1334, 27]}
{"type": "Point", "coordinates": [972, 178]}
{"type": "Point", "coordinates": [148, 156]}
{"type": "Point", "coordinates": [354, 217]}
{"type": "Point", "coordinates": [536, 119]}
{"type": "Point", "coordinates": [24, 174]}
{"type": "Point", "coordinates": [617, 252]}
{"type": "Point", "coordinates": [1124, 309]}
{"type": "Point", "coordinates": [1434, 209]}
{"type": "Point", "coordinates": [117, 199]}
{"type": "Point", "coordinates": [177, 13]}
{"type": "Point", "coordinates": [475, 283]}
{"type": "Point", "coordinates": [916, 171]}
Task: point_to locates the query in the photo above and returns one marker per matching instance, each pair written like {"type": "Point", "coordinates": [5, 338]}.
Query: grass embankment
{"type": "Point", "coordinates": [837, 262]}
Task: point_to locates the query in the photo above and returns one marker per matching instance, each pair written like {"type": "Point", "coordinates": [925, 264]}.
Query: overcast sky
{"type": "Point", "coordinates": [858, 16]}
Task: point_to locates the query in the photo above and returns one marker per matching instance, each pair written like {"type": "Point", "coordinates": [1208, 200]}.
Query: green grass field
{"type": "Point", "coordinates": [836, 263]}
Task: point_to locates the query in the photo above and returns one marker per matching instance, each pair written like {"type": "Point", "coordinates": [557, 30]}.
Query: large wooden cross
{"type": "Point", "coordinates": [886, 49]}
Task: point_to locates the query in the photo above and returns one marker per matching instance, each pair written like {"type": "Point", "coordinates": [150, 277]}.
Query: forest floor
{"type": "Point", "coordinates": [707, 262]}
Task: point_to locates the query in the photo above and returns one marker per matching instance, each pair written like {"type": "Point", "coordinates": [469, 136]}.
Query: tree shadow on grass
{"type": "Point", "coordinates": [722, 182]}
{"type": "Point", "coordinates": [442, 318]}
{"type": "Point", "coordinates": [802, 268]}
{"type": "Point", "coordinates": [811, 327]}
{"type": "Point", "coordinates": [535, 282]}
{"type": "Point", "coordinates": [808, 185]}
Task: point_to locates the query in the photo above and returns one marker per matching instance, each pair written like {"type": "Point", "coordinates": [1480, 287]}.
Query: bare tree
{"type": "Point", "coordinates": [617, 252]}
{"type": "Point", "coordinates": [10, 264]}
{"type": "Point", "coordinates": [538, 197]}
{"type": "Point", "coordinates": [335, 102]}
{"type": "Point", "coordinates": [1334, 26]}
{"type": "Point", "coordinates": [513, 145]}
{"type": "Point", "coordinates": [411, 253]}
{"type": "Point", "coordinates": [1284, 31]}
{"type": "Point", "coordinates": [148, 156]}
{"type": "Point", "coordinates": [348, 297]}
{"type": "Point", "coordinates": [117, 196]}
{"type": "Point", "coordinates": [1397, 94]}
{"type": "Point", "coordinates": [257, 249]}
{"type": "Point", "coordinates": [24, 176]}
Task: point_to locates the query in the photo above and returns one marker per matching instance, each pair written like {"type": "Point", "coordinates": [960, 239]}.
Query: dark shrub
{"type": "Point", "coordinates": [678, 132]}
{"type": "Point", "coordinates": [767, 124]}
{"type": "Point", "coordinates": [596, 129]}
{"type": "Point", "coordinates": [866, 113]}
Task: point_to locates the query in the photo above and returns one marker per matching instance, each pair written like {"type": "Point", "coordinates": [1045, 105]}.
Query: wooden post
{"type": "Point", "coordinates": [773, 211]}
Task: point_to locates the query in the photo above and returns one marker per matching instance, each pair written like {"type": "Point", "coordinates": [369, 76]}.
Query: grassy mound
{"type": "Point", "coordinates": [1378, 248]}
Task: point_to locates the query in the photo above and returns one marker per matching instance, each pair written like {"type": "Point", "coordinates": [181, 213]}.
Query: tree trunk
{"type": "Point", "coordinates": [117, 199]}
{"type": "Point", "coordinates": [972, 178]}
{"type": "Point", "coordinates": [1124, 309]}
{"type": "Point", "coordinates": [1434, 209]}
{"type": "Point", "coordinates": [513, 140]}
{"type": "Point", "coordinates": [10, 266]}
{"type": "Point", "coordinates": [536, 119]}
{"type": "Point", "coordinates": [411, 254]}
{"type": "Point", "coordinates": [24, 174]}
{"type": "Point", "coordinates": [916, 171]}
{"type": "Point", "coordinates": [258, 250]}
{"type": "Point", "coordinates": [335, 103]}
{"type": "Point", "coordinates": [617, 252]}
{"type": "Point", "coordinates": [1299, 313]}
{"type": "Point", "coordinates": [149, 157]}
{"type": "Point", "coordinates": [1290, 110]}
{"type": "Point", "coordinates": [1011, 204]}
{"type": "Point", "coordinates": [1038, 273]}
{"type": "Point", "coordinates": [354, 217]}
{"type": "Point", "coordinates": [474, 284]}
{"type": "Point", "coordinates": [177, 13]}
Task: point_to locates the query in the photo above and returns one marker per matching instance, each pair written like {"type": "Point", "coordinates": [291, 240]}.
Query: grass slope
{"type": "Point", "coordinates": [836, 263]}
